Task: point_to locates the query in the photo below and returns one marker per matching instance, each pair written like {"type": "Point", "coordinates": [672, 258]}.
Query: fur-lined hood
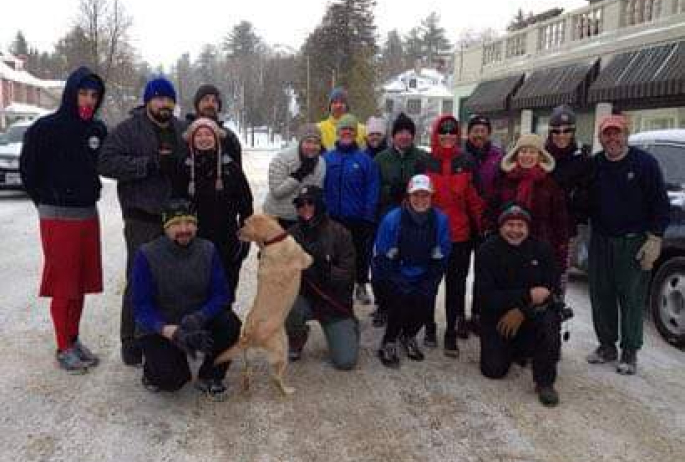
{"type": "Point", "coordinates": [530, 140]}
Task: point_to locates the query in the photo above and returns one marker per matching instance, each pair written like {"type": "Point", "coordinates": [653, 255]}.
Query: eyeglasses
{"type": "Point", "coordinates": [562, 131]}
{"type": "Point", "coordinates": [448, 127]}
{"type": "Point", "coordinates": [299, 203]}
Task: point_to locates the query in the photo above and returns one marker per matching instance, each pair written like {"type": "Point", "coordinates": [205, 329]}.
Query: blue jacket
{"type": "Point", "coordinates": [351, 184]}
{"type": "Point", "coordinates": [407, 278]}
{"type": "Point", "coordinates": [59, 157]}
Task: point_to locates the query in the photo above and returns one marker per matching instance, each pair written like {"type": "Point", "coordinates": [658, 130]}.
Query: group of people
{"type": "Point", "coordinates": [368, 207]}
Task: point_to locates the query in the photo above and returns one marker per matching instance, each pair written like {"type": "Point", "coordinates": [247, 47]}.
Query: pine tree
{"type": "Point", "coordinates": [413, 48]}
{"type": "Point", "coordinates": [435, 43]}
{"type": "Point", "coordinates": [392, 56]}
{"type": "Point", "coordinates": [20, 46]}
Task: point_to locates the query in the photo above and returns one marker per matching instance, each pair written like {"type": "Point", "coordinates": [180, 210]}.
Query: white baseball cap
{"type": "Point", "coordinates": [420, 183]}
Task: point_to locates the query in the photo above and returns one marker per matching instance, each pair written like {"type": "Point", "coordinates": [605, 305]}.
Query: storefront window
{"type": "Point", "coordinates": [656, 119]}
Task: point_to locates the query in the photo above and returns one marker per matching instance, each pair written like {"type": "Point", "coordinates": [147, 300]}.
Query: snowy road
{"type": "Point", "coordinates": [438, 410]}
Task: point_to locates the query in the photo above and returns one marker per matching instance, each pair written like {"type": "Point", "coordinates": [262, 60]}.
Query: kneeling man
{"type": "Point", "coordinates": [515, 277]}
{"type": "Point", "coordinates": [326, 290]}
{"type": "Point", "coordinates": [182, 306]}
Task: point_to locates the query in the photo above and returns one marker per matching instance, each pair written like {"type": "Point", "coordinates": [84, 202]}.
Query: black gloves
{"type": "Point", "coordinates": [192, 341]}
{"type": "Point", "coordinates": [307, 166]}
{"type": "Point", "coordinates": [193, 321]}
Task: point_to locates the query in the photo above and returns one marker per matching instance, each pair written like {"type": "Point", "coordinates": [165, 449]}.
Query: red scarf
{"type": "Point", "coordinates": [526, 178]}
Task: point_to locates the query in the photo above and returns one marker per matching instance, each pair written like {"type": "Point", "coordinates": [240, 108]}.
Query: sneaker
{"type": "Point", "coordinates": [388, 355]}
{"type": "Point", "coordinates": [379, 317]}
{"type": "Point", "coordinates": [628, 363]}
{"type": "Point", "coordinates": [430, 339]}
{"type": "Point", "coordinates": [70, 361]}
{"type": "Point", "coordinates": [361, 294]}
{"type": "Point", "coordinates": [603, 354]}
{"type": "Point", "coordinates": [149, 386]}
{"type": "Point", "coordinates": [214, 388]}
{"type": "Point", "coordinates": [85, 355]}
{"type": "Point", "coordinates": [131, 354]}
{"type": "Point", "coordinates": [411, 348]}
{"type": "Point", "coordinates": [450, 347]}
{"type": "Point", "coordinates": [547, 395]}
{"type": "Point", "coordinates": [462, 328]}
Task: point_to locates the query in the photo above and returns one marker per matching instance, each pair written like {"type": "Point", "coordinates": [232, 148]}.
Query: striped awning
{"type": "Point", "coordinates": [551, 87]}
{"type": "Point", "coordinates": [647, 73]}
{"type": "Point", "coordinates": [493, 95]}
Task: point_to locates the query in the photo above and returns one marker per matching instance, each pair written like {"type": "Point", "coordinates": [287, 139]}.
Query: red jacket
{"type": "Point", "coordinates": [452, 175]}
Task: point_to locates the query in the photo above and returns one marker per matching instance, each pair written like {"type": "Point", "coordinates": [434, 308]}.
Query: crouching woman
{"type": "Point", "coordinates": [410, 256]}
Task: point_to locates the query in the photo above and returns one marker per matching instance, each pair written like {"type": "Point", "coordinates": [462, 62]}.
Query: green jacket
{"type": "Point", "coordinates": [396, 170]}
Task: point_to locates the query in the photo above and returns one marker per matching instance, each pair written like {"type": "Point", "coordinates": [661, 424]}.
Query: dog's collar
{"type": "Point", "coordinates": [276, 239]}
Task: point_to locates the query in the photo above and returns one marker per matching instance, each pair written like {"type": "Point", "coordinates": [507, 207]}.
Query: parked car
{"type": "Point", "coordinates": [667, 287]}
{"type": "Point", "coordinates": [10, 148]}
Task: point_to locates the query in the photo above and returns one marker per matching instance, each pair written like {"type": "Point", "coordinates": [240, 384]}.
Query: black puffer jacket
{"type": "Point", "coordinates": [59, 157]}
{"type": "Point", "coordinates": [574, 171]}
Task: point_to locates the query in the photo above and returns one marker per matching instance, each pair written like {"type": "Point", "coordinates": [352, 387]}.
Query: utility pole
{"type": "Point", "coordinates": [309, 100]}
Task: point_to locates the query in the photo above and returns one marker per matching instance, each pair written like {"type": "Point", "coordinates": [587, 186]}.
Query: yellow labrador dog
{"type": "Point", "coordinates": [278, 283]}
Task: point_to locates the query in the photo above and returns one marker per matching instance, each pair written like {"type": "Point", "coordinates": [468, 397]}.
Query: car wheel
{"type": "Point", "coordinates": [667, 300]}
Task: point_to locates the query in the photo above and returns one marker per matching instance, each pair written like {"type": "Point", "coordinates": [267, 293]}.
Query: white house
{"type": "Point", "coordinates": [423, 94]}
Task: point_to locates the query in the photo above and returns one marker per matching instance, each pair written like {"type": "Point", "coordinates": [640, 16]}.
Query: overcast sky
{"type": "Point", "coordinates": [164, 29]}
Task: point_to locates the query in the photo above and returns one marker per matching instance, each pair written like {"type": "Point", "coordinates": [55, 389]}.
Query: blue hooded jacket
{"type": "Point", "coordinates": [351, 184]}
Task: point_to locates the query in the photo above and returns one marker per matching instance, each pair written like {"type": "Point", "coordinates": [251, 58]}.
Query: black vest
{"type": "Point", "coordinates": [183, 275]}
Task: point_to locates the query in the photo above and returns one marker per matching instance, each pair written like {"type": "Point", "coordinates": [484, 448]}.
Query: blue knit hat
{"type": "Point", "coordinates": [159, 86]}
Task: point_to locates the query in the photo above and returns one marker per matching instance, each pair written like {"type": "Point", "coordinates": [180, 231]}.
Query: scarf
{"type": "Point", "coordinates": [526, 179]}
{"type": "Point", "coordinates": [561, 153]}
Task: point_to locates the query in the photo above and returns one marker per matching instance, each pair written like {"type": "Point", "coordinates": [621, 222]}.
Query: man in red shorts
{"type": "Point", "coordinates": [59, 171]}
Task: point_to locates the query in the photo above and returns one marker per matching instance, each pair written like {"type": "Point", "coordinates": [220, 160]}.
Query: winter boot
{"type": "Point", "coordinates": [450, 347]}
{"type": "Point", "coordinates": [462, 328]}
{"type": "Point", "coordinates": [430, 339]}
{"type": "Point", "coordinates": [131, 354]}
{"type": "Point", "coordinates": [411, 348]}
{"type": "Point", "coordinates": [149, 386]}
{"type": "Point", "coordinates": [628, 363]}
{"type": "Point", "coordinates": [388, 355]}
{"type": "Point", "coordinates": [603, 354]}
{"type": "Point", "coordinates": [547, 395]}
{"type": "Point", "coordinates": [474, 325]}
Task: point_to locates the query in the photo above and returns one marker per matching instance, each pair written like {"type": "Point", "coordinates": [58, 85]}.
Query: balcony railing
{"type": "Point", "coordinates": [582, 24]}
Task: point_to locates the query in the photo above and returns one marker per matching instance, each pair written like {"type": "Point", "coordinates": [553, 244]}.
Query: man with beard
{"type": "Point", "coordinates": [338, 106]}
{"type": "Point", "coordinates": [144, 153]}
{"type": "Point", "coordinates": [326, 291]}
{"type": "Point", "coordinates": [515, 278]}
{"type": "Point", "coordinates": [181, 297]}
{"type": "Point", "coordinates": [59, 171]}
{"type": "Point", "coordinates": [208, 103]}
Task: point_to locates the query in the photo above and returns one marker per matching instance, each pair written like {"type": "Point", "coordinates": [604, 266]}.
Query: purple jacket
{"type": "Point", "coordinates": [488, 161]}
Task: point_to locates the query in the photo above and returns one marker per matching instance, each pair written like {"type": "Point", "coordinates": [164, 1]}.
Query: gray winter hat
{"type": "Point", "coordinates": [562, 115]}
{"type": "Point", "coordinates": [309, 131]}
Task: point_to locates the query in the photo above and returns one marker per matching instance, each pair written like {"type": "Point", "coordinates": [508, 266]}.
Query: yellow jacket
{"type": "Point", "coordinates": [329, 134]}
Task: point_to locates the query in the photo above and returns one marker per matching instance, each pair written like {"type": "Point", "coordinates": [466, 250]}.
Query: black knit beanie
{"type": "Point", "coordinates": [204, 90]}
{"type": "Point", "coordinates": [403, 122]}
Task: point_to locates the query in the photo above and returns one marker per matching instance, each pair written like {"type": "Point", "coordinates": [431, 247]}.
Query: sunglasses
{"type": "Point", "coordinates": [560, 131]}
{"type": "Point", "coordinates": [299, 203]}
{"type": "Point", "coordinates": [448, 128]}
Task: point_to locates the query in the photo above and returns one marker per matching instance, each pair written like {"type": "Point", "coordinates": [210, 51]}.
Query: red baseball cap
{"type": "Point", "coordinates": [613, 121]}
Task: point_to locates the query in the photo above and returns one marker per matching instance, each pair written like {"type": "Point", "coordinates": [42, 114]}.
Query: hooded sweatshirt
{"type": "Point", "coordinates": [59, 157]}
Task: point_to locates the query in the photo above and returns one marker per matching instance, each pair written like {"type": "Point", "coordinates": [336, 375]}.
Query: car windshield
{"type": "Point", "coordinates": [671, 159]}
{"type": "Point", "coordinates": [15, 134]}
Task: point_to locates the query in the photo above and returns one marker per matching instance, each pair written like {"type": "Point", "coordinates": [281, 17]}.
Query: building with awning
{"type": "Point", "coordinates": [609, 56]}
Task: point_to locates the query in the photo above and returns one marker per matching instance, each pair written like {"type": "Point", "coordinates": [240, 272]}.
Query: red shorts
{"type": "Point", "coordinates": [73, 264]}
